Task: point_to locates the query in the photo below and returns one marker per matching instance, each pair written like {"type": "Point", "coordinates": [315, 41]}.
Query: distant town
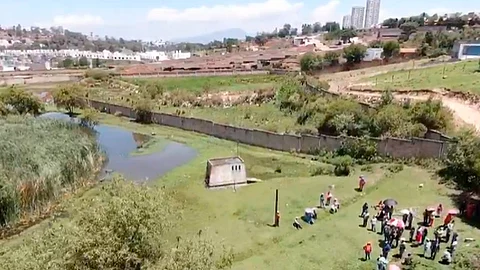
{"type": "Point", "coordinates": [43, 49]}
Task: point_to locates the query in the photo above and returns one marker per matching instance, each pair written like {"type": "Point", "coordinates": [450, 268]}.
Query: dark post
{"type": "Point", "coordinates": [275, 222]}
{"type": "Point", "coordinates": [409, 74]}
{"type": "Point", "coordinates": [444, 67]}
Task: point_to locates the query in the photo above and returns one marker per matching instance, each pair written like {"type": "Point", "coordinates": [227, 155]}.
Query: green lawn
{"type": "Point", "coordinates": [203, 84]}
{"type": "Point", "coordinates": [239, 219]}
{"type": "Point", "coordinates": [458, 77]}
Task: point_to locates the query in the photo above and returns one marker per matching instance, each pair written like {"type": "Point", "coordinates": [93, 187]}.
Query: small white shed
{"type": "Point", "coordinates": [225, 172]}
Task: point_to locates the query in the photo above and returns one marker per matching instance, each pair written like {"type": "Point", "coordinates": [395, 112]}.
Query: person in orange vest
{"type": "Point", "coordinates": [329, 198]}
{"type": "Point", "coordinates": [368, 250]}
{"type": "Point", "coordinates": [432, 218]}
{"type": "Point", "coordinates": [447, 219]}
{"type": "Point", "coordinates": [277, 219]}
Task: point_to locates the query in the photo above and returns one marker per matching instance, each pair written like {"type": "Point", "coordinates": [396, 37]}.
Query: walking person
{"type": "Point", "coordinates": [364, 209]}
{"type": "Point", "coordinates": [412, 235]}
{"type": "Point", "coordinates": [386, 233]}
{"type": "Point", "coordinates": [410, 220]}
{"type": "Point", "coordinates": [424, 234]}
{"type": "Point", "coordinates": [368, 250]}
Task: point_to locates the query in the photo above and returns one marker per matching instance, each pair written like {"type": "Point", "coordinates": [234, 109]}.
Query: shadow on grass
{"type": "Point", "coordinates": [464, 198]}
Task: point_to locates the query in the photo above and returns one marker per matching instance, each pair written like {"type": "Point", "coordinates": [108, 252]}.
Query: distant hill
{"type": "Point", "coordinates": [218, 35]}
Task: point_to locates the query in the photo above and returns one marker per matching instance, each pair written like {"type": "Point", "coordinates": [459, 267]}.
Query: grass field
{"type": "Point", "coordinates": [240, 219]}
{"type": "Point", "coordinates": [461, 76]}
{"type": "Point", "coordinates": [201, 84]}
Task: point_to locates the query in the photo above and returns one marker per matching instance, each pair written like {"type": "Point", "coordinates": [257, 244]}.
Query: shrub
{"type": "Point", "coordinates": [98, 74]}
{"type": "Point", "coordinates": [69, 97]}
{"type": "Point", "coordinates": [363, 148]}
{"type": "Point", "coordinates": [343, 165]}
{"type": "Point", "coordinates": [323, 170]}
{"type": "Point", "coordinates": [143, 111]}
{"type": "Point", "coordinates": [21, 102]}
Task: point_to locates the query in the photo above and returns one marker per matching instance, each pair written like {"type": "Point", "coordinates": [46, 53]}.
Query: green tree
{"type": "Point", "coordinates": [408, 28]}
{"type": "Point", "coordinates": [143, 111]}
{"type": "Point", "coordinates": [428, 39]}
{"type": "Point", "coordinates": [89, 117]}
{"type": "Point", "coordinates": [68, 63]}
{"type": "Point", "coordinates": [317, 27]}
{"type": "Point", "coordinates": [311, 62]}
{"type": "Point", "coordinates": [69, 97]}
{"type": "Point", "coordinates": [354, 53]}
{"type": "Point", "coordinates": [307, 29]}
{"type": "Point", "coordinates": [21, 101]}
{"type": "Point", "coordinates": [332, 57]}
{"type": "Point", "coordinates": [390, 49]}
{"type": "Point", "coordinates": [376, 44]}
{"type": "Point", "coordinates": [83, 61]}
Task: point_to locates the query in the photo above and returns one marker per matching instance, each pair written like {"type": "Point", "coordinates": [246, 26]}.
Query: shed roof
{"type": "Point", "coordinates": [224, 161]}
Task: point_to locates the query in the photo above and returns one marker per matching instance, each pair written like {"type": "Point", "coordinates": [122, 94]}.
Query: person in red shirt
{"type": "Point", "coordinates": [368, 250]}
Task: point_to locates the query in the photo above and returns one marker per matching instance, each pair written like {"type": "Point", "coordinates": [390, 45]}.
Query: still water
{"type": "Point", "coordinates": [119, 143]}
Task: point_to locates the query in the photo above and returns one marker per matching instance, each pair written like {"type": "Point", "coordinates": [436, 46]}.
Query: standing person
{"type": "Point", "coordinates": [368, 250]}
{"type": "Point", "coordinates": [454, 238]}
{"type": "Point", "coordinates": [402, 248]}
{"type": "Point", "coordinates": [386, 233]}
{"type": "Point", "coordinates": [431, 220]}
{"type": "Point", "coordinates": [424, 234]}
{"type": "Point", "coordinates": [425, 217]}
{"type": "Point", "coordinates": [463, 207]}
{"type": "Point", "coordinates": [277, 219]}
{"type": "Point", "coordinates": [373, 224]}
{"type": "Point", "coordinates": [383, 225]}
{"type": "Point", "coordinates": [427, 248]}
{"type": "Point", "coordinates": [412, 234]}
{"type": "Point", "coordinates": [439, 210]}
{"type": "Point", "coordinates": [329, 197]}
{"type": "Point", "coordinates": [405, 218]}
{"type": "Point", "coordinates": [322, 201]}
{"type": "Point", "coordinates": [410, 220]}
{"type": "Point", "coordinates": [365, 219]}
{"type": "Point", "coordinates": [435, 248]}
{"type": "Point", "coordinates": [361, 183]}
{"type": "Point", "coordinates": [364, 209]}
{"type": "Point", "coordinates": [386, 249]}
{"type": "Point", "coordinates": [419, 236]}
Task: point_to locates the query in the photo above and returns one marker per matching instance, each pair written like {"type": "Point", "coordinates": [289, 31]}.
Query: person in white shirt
{"type": "Point", "coordinates": [447, 257]}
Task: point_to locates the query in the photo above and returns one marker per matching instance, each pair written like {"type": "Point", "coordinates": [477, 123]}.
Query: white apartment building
{"type": "Point", "coordinates": [358, 14]}
{"type": "Point", "coordinates": [372, 13]}
{"type": "Point", "coordinates": [104, 55]}
{"type": "Point", "coordinates": [347, 21]}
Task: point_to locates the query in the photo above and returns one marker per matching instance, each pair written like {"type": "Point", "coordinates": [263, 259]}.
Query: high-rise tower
{"type": "Point", "coordinates": [372, 13]}
{"type": "Point", "coordinates": [358, 14]}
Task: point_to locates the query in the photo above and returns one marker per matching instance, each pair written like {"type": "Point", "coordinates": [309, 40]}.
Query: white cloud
{"type": "Point", "coordinates": [73, 20]}
{"type": "Point", "coordinates": [77, 20]}
{"type": "Point", "coordinates": [225, 13]}
{"type": "Point", "coordinates": [327, 12]}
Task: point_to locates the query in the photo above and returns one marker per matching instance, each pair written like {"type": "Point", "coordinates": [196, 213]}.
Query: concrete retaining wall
{"type": "Point", "coordinates": [394, 147]}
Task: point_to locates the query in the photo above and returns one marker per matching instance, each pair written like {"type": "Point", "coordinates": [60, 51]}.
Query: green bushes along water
{"type": "Point", "coordinates": [39, 160]}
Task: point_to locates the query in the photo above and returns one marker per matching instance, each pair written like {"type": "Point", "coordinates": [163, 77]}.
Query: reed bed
{"type": "Point", "coordinates": [41, 159]}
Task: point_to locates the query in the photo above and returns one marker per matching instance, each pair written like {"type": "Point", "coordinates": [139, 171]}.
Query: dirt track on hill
{"type": "Point", "coordinates": [466, 111]}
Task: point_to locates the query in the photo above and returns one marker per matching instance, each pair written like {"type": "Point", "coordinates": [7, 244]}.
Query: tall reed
{"type": "Point", "coordinates": [40, 159]}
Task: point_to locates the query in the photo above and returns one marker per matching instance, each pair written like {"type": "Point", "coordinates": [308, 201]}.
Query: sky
{"type": "Point", "coordinates": [172, 19]}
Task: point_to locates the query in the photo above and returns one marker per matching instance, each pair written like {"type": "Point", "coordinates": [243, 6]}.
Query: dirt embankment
{"type": "Point", "coordinates": [465, 106]}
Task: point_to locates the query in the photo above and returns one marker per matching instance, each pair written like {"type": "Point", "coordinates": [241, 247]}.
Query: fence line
{"type": "Point", "coordinates": [433, 146]}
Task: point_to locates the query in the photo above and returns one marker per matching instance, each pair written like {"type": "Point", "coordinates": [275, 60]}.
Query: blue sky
{"type": "Point", "coordinates": [167, 19]}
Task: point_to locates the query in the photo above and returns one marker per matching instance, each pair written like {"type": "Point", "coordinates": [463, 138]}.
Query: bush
{"type": "Point", "coordinates": [362, 148]}
{"type": "Point", "coordinates": [343, 165]}
{"type": "Point", "coordinates": [16, 100]}
{"type": "Point", "coordinates": [323, 170]}
{"type": "Point", "coordinates": [69, 97]}
{"type": "Point", "coordinates": [98, 74]}
{"type": "Point", "coordinates": [143, 111]}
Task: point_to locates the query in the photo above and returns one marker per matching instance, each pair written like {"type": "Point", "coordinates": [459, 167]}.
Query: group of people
{"type": "Point", "coordinates": [392, 231]}
{"type": "Point", "coordinates": [326, 201]}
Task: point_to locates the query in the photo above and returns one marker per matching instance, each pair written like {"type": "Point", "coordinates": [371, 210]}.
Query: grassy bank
{"type": "Point", "coordinates": [201, 84]}
{"type": "Point", "coordinates": [240, 219]}
{"type": "Point", "coordinates": [461, 76]}
{"type": "Point", "coordinates": [41, 159]}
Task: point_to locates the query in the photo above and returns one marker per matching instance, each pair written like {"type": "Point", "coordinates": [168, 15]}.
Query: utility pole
{"type": "Point", "coordinates": [276, 221]}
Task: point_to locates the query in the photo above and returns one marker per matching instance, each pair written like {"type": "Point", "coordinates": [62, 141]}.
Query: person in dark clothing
{"type": "Point", "coordinates": [386, 233]}
{"type": "Point", "coordinates": [447, 235]}
{"type": "Point", "coordinates": [383, 225]}
{"type": "Point", "coordinates": [405, 218]}
{"type": "Point", "coordinates": [366, 216]}
{"type": "Point", "coordinates": [463, 207]}
{"type": "Point", "coordinates": [410, 220]}
{"type": "Point", "coordinates": [386, 249]}
{"type": "Point", "coordinates": [296, 224]}
{"type": "Point", "coordinates": [412, 234]}
{"type": "Point", "coordinates": [425, 234]}
{"type": "Point", "coordinates": [364, 209]}
{"type": "Point", "coordinates": [425, 218]}
{"type": "Point", "coordinates": [435, 248]}
{"type": "Point", "coordinates": [454, 237]}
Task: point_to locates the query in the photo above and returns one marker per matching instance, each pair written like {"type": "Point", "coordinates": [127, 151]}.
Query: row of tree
{"type": "Point", "coordinates": [457, 20]}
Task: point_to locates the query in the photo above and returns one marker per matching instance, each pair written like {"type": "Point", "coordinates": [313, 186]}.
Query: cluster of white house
{"type": "Point", "coordinates": [105, 55]}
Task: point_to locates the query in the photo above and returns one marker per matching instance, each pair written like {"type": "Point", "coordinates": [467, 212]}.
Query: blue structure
{"type": "Point", "coordinates": [466, 50]}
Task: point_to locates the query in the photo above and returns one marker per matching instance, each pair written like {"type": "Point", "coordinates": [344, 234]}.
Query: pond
{"type": "Point", "coordinates": [119, 144]}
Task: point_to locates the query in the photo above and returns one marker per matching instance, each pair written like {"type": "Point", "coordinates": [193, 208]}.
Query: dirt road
{"type": "Point", "coordinates": [343, 82]}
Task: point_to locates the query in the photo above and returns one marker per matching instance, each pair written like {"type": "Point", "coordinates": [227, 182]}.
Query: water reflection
{"type": "Point", "coordinates": [120, 143]}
